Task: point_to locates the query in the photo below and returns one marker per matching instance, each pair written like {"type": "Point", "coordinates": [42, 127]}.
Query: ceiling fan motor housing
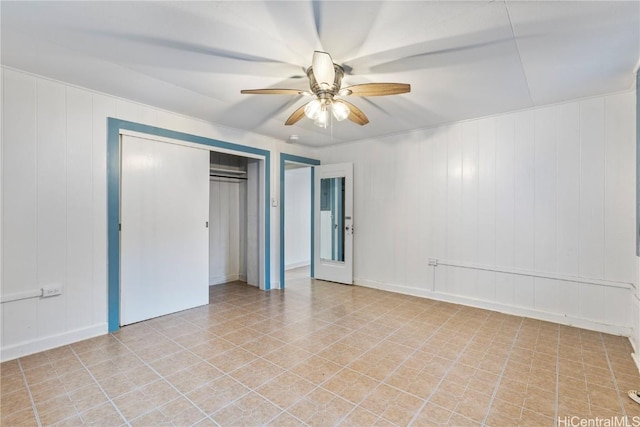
{"type": "Point", "coordinates": [326, 92]}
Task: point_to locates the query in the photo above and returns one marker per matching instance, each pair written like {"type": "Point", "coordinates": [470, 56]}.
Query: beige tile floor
{"type": "Point", "coordinates": [325, 354]}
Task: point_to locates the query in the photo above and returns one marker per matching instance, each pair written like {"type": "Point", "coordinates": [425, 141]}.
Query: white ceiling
{"type": "Point", "coordinates": [462, 59]}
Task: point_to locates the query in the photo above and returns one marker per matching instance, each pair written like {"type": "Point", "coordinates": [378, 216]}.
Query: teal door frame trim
{"type": "Point", "coordinates": [284, 157]}
{"type": "Point", "coordinates": [114, 128]}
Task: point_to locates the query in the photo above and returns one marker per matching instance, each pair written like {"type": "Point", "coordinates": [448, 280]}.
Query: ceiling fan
{"type": "Point", "coordinates": [325, 80]}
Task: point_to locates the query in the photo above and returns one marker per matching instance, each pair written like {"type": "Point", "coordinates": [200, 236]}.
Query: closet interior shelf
{"type": "Point", "coordinates": [227, 173]}
{"type": "Point", "coordinates": [233, 172]}
{"type": "Point", "coordinates": [213, 175]}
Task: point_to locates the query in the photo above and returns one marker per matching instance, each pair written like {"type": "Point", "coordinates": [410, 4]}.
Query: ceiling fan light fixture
{"type": "Point", "coordinates": [340, 111]}
{"type": "Point", "coordinates": [322, 119]}
{"type": "Point", "coordinates": [312, 109]}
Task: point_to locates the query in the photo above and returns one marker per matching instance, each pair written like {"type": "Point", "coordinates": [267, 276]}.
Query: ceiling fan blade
{"type": "Point", "coordinates": [272, 91]}
{"type": "Point", "coordinates": [356, 115]}
{"type": "Point", "coordinates": [377, 89]}
{"type": "Point", "coordinates": [323, 70]}
{"type": "Point", "coordinates": [296, 116]}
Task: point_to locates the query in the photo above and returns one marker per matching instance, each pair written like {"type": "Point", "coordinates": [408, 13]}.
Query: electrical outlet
{"type": "Point", "coordinates": [51, 291]}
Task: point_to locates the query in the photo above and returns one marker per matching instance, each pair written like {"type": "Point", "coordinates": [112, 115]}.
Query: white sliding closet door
{"type": "Point", "coordinates": [164, 239]}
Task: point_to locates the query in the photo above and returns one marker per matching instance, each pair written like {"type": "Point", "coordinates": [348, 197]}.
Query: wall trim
{"type": "Point", "coordinates": [501, 308]}
{"type": "Point", "coordinates": [26, 348]}
{"type": "Point", "coordinates": [531, 273]}
{"type": "Point", "coordinates": [284, 157]}
{"type": "Point", "coordinates": [297, 264]}
{"type": "Point", "coordinates": [636, 360]}
{"type": "Point", "coordinates": [218, 280]}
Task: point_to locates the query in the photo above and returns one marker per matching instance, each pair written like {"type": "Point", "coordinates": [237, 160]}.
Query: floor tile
{"type": "Point", "coordinates": [324, 354]}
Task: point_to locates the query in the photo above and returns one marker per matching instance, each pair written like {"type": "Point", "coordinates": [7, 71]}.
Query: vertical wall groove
{"type": "Point", "coordinates": [556, 225]}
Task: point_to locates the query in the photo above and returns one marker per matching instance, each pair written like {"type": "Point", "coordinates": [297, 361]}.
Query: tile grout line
{"type": "Point", "coordinates": [227, 373]}
{"type": "Point", "coordinates": [428, 399]}
{"type": "Point", "coordinates": [357, 405]}
{"type": "Point", "coordinates": [100, 387]}
{"type": "Point", "coordinates": [316, 386]}
{"type": "Point", "coordinates": [33, 403]}
{"type": "Point", "coordinates": [403, 315]}
{"type": "Point", "coordinates": [284, 410]}
{"type": "Point", "coordinates": [504, 368]}
{"type": "Point", "coordinates": [162, 377]}
{"type": "Point", "coordinates": [224, 374]}
{"type": "Point", "coordinates": [67, 393]}
{"type": "Point", "coordinates": [613, 375]}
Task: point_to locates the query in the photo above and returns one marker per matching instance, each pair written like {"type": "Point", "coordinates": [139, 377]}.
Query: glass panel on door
{"type": "Point", "coordinates": [333, 228]}
{"type": "Point", "coordinates": [332, 219]}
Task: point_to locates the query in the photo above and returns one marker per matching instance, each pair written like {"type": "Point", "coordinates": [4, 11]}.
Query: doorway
{"type": "Point", "coordinates": [296, 218]}
{"type": "Point", "coordinates": [297, 223]}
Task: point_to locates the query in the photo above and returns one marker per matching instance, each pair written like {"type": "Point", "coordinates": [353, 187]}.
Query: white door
{"type": "Point", "coordinates": [164, 238]}
{"type": "Point", "coordinates": [333, 223]}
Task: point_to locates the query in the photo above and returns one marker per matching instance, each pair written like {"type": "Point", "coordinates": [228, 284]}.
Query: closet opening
{"type": "Point", "coordinates": [234, 202]}
{"type": "Point", "coordinates": [159, 199]}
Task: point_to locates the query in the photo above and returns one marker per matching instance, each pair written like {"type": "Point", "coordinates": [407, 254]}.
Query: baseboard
{"type": "Point", "coordinates": [218, 280]}
{"type": "Point", "coordinates": [501, 308]}
{"type": "Point", "coordinates": [26, 348]}
{"type": "Point", "coordinates": [636, 359]}
{"type": "Point", "coordinates": [297, 265]}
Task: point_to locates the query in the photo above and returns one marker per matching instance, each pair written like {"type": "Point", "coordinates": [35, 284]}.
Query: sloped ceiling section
{"type": "Point", "coordinates": [462, 59]}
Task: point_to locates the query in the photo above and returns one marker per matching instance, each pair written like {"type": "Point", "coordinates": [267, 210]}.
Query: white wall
{"type": "Point", "coordinates": [547, 192]}
{"type": "Point", "coordinates": [227, 223]}
{"type": "Point", "coordinates": [54, 225]}
{"type": "Point", "coordinates": [297, 218]}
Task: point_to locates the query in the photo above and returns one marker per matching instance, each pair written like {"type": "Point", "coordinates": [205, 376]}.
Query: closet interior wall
{"type": "Point", "coordinates": [227, 218]}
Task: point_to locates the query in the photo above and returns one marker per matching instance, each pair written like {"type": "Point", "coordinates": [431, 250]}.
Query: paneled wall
{"type": "Point", "coordinates": [529, 212]}
{"type": "Point", "coordinates": [227, 223]}
{"type": "Point", "coordinates": [54, 205]}
{"type": "Point", "coordinates": [227, 219]}
{"type": "Point", "coordinates": [297, 230]}
{"type": "Point", "coordinates": [535, 209]}
{"type": "Point", "coordinates": [54, 223]}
